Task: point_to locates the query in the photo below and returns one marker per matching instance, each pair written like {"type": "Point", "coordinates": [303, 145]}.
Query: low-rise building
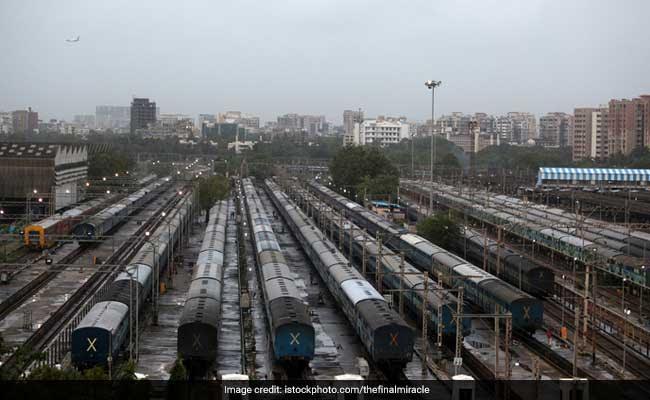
{"type": "Point", "coordinates": [382, 131]}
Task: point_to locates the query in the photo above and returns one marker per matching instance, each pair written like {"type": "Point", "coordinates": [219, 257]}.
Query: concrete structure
{"type": "Point", "coordinates": [312, 124]}
{"type": "Point", "coordinates": [628, 124]}
{"type": "Point", "coordinates": [524, 126]}
{"type": "Point", "coordinates": [112, 117]}
{"type": "Point", "coordinates": [237, 117]}
{"type": "Point", "coordinates": [382, 130]}
{"type": "Point", "coordinates": [504, 128]}
{"type": "Point", "coordinates": [87, 121]}
{"type": "Point", "coordinates": [25, 121]}
{"type": "Point", "coordinates": [590, 134]}
{"type": "Point", "coordinates": [240, 146]}
{"type": "Point", "coordinates": [52, 172]}
{"type": "Point", "coordinates": [6, 122]}
{"type": "Point", "coordinates": [229, 131]}
{"type": "Point", "coordinates": [143, 113]}
{"type": "Point", "coordinates": [556, 129]}
{"type": "Point", "coordinates": [168, 125]}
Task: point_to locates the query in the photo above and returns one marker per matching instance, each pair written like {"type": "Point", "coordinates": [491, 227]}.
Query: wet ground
{"type": "Point", "coordinates": [229, 351]}
{"type": "Point", "coordinates": [158, 342]}
{"type": "Point", "coordinates": [19, 325]}
{"type": "Point", "coordinates": [337, 345]}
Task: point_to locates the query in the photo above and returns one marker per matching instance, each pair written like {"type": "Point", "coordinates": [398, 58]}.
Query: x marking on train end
{"type": "Point", "coordinates": [393, 339]}
{"type": "Point", "coordinates": [197, 342]}
{"type": "Point", "coordinates": [91, 344]}
{"type": "Point", "coordinates": [294, 338]}
{"type": "Point", "coordinates": [526, 312]}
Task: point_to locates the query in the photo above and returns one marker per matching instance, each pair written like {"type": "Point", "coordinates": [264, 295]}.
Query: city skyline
{"type": "Point", "coordinates": [494, 57]}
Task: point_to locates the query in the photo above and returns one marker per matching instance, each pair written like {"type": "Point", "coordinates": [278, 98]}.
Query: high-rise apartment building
{"type": "Point", "coordinates": [112, 117]}
{"type": "Point", "coordinates": [555, 129]}
{"type": "Point", "coordinates": [25, 121]}
{"type": "Point", "coordinates": [143, 112]}
{"type": "Point", "coordinates": [524, 126]}
{"type": "Point", "coordinates": [590, 133]}
{"type": "Point", "coordinates": [628, 124]}
{"type": "Point", "coordinates": [349, 119]}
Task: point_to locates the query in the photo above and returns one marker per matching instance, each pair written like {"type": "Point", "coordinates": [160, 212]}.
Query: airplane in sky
{"type": "Point", "coordinates": [73, 40]}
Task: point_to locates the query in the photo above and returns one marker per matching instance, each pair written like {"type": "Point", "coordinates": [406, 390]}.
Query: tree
{"type": "Point", "coordinates": [47, 373]}
{"type": "Point", "coordinates": [211, 190]}
{"type": "Point", "coordinates": [178, 371]}
{"type": "Point", "coordinates": [362, 168]}
{"type": "Point", "coordinates": [439, 229]}
{"type": "Point", "coordinates": [107, 164]}
{"type": "Point", "coordinates": [95, 374]}
{"type": "Point", "coordinates": [126, 372]}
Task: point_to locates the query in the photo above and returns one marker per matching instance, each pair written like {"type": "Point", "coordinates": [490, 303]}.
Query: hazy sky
{"type": "Point", "coordinates": [321, 57]}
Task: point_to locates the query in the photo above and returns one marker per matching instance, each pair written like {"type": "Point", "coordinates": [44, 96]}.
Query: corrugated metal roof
{"type": "Point", "coordinates": [593, 174]}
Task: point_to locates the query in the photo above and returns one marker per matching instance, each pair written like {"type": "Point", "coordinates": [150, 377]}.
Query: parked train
{"type": "Point", "coordinates": [480, 287]}
{"type": "Point", "coordinates": [388, 339]}
{"type": "Point", "coordinates": [610, 235]}
{"type": "Point", "coordinates": [106, 220]}
{"type": "Point", "coordinates": [617, 262]}
{"type": "Point", "coordinates": [439, 306]}
{"type": "Point", "coordinates": [105, 329]}
{"type": "Point", "coordinates": [292, 333]}
{"type": "Point", "coordinates": [198, 330]}
{"type": "Point", "coordinates": [519, 271]}
{"type": "Point", "coordinates": [44, 234]}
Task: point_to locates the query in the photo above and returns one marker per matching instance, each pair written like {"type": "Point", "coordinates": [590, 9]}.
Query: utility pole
{"type": "Point", "coordinates": [576, 325]}
{"type": "Point", "coordinates": [401, 286]}
{"type": "Point", "coordinates": [459, 333]}
{"type": "Point", "coordinates": [430, 84]}
{"type": "Point", "coordinates": [425, 322]}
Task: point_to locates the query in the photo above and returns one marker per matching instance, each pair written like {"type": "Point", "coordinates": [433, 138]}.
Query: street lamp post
{"type": "Point", "coordinates": [626, 314]}
{"type": "Point", "coordinates": [432, 85]}
{"type": "Point", "coordinates": [155, 279]}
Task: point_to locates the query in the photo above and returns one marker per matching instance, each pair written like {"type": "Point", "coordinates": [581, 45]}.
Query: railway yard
{"type": "Point", "coordinates": [287, 280]}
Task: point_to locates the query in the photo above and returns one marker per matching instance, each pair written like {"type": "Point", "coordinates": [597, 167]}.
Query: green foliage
{"type": "Point", "coordinates": [447, 154]}
{"type": "Point", "coordinates": [178, 371]}
{"type": "Point", "coordinates": [521, 157]}
{"type": "Point", "coordinates": [126, 371]}
{"type": "Point", "coordinates": [95, 374]}
{"type": "Point", "coordinates": [292, 147]}
{"type": "Point", "coordinates": [107, 164]}
{"type": "Point", "coordinates": [211, 190]}
{"type": "Point", "coordinates": [23, 357]}
{"type": "Point", "coordinates": [47, 373]}
{"type": "Point", "coordinates": [381, 187]}
{"type": "Point", "coordinates": [439, 229]}
{"type": "Point", "coordinates": [357, 168]}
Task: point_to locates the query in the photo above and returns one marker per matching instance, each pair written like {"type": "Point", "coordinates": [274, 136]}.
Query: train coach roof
{"type": "Point", "coordinates": [207, 269]}
{"type": "Point", "coordinates": [379, 314]}
{"type": "Point", "coordinates": [289, 310]}
{"type": "Point", "coordinates": [473, 273]}
{"type": "Point", "coordinates": [139, 272]}
{"type": "Point", "coordinates": [359, 289]}
{"type": "Point", "coordinates": [105, 314]}
{"type": "Point", "coordinates": [412, 239]}
{"type": "Point", "coordinates": [274, 270]}
{"type": "Point", "coordinates": [280, 287]}
{"type": "Point", "coordinates": [504, 291]}
{"type": "Point", "coordinates": [201, 309]}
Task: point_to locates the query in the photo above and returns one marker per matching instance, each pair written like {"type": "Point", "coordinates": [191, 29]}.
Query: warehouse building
{"type": "Point", "coordinates": [42, 177]}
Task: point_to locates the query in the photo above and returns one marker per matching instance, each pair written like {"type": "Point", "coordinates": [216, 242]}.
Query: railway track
{"type": "Point", "coordinates": [75, 308]}
{"type": "Point", "coordinates": [19, 297]}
